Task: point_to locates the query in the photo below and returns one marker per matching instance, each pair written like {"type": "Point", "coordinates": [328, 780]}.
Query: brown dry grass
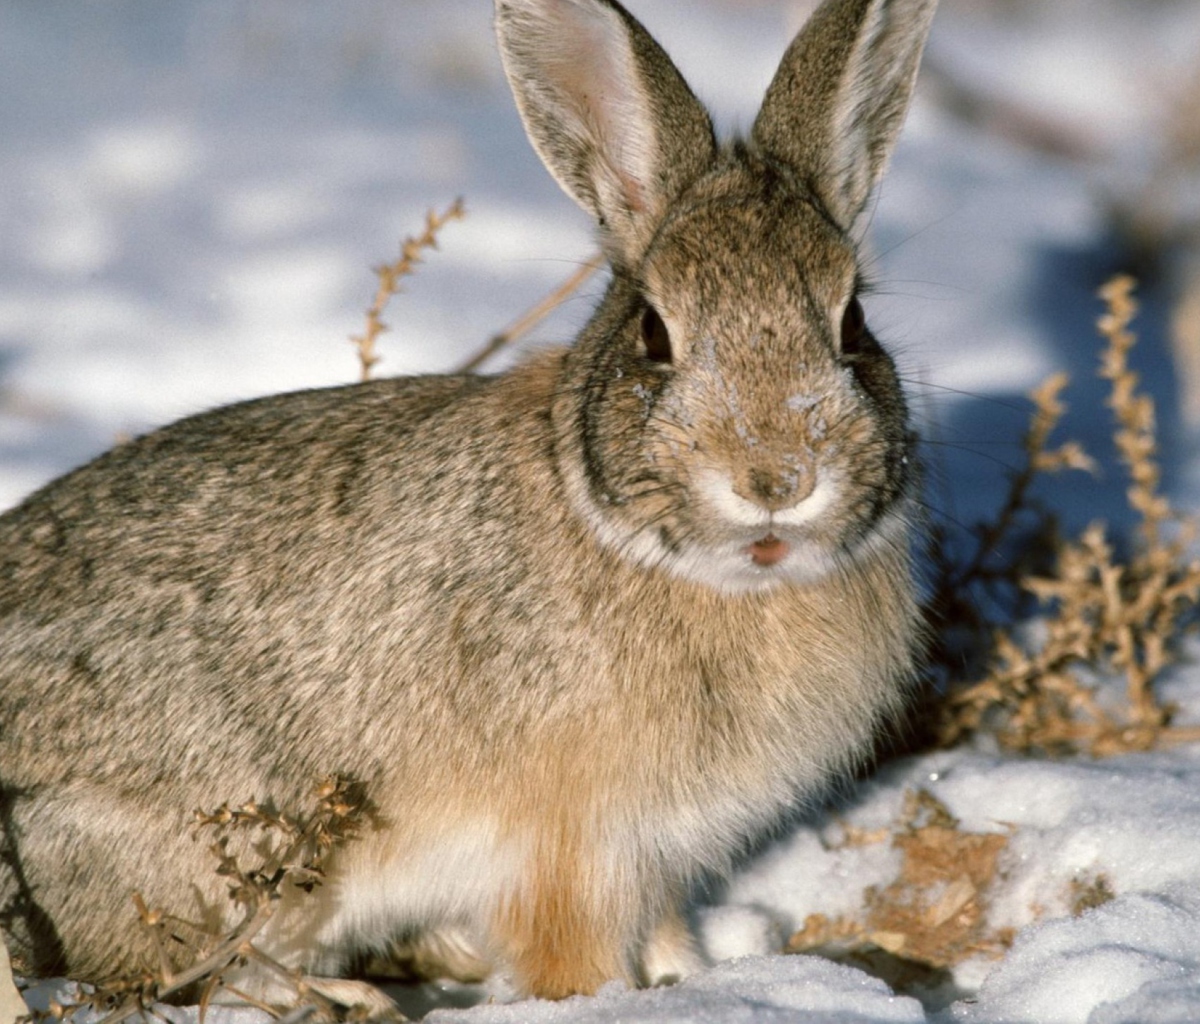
{"type": "Point", "coordinates": [934, 915]}
{"type": "Point", "coordinates": [1087, 893]}
{"type": "Point", "coordinates": [934, 912]}
{"type": "Point", "coordinates": [294, 850]}
{"type": "Point", "coordinates": [391, 274]}
{"type": "Point", "coordinates": [1103, 615]}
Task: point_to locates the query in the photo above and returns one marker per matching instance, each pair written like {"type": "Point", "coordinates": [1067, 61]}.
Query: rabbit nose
{"type": "Point", "coordinates": [774, 491]}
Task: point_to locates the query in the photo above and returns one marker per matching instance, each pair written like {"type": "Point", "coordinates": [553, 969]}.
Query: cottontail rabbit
{"type": "Point", "coordinates": [581, 630]}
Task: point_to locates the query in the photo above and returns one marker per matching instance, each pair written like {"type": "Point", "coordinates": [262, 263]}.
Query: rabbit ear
{"type": "Point", "coordinates": [606, 110]}
{"type": "Point", "coordinates": [840, 95]}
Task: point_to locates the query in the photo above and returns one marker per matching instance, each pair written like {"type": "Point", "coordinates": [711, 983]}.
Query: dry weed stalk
{"type": "Point", "coordinates": [295, 856]}
{"type": "Point", "coordinates": [1107, 616]}
{"type": "Point", "coordinates": [390, 276]}
{"type": "Point", "coordinates": [975, 595]}
{"type": "Point", "coordinates": [934, 912]}
{"type": "Point", "coordinates": [532, 317]}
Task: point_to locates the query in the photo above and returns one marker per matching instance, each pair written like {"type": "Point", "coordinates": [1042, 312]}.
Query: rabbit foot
{"type": "Point", "coordinates": [356, 995]}
{"type": "Point", "coordinates": [431, 955]}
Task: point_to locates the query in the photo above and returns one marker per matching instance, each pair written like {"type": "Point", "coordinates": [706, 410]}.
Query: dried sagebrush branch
{"type": "Point", "coordinates": [533, 316]}
{"type": "Point", "coordinates": [976, 593]}
{"type": "Point", "coordinates": [390, 275]}
{"type": "Point", "coordinates": [1106, 617]}
{"type": "Point", "coordinates": [194, 957]}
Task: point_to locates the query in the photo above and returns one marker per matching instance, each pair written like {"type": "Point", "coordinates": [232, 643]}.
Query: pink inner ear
{"type": "Point", "coordinates": [634, 195]}
{"type": "Point", "coordinates": [587, 59]}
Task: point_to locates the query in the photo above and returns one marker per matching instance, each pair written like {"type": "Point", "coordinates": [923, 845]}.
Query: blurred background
{"type": "Point", "coordinates": [193, 197]}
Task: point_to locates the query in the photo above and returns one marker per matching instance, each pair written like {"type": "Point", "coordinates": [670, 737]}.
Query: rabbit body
{"type": "Point", "coordinates": [582, 630]}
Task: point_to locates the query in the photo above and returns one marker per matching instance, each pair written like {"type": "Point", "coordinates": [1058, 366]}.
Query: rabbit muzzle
{"type": "Point", "coordinates": [768, 551]}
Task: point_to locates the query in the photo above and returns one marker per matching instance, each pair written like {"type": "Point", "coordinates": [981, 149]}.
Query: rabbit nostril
{"type": "Point", "coordinates": [774, 491]}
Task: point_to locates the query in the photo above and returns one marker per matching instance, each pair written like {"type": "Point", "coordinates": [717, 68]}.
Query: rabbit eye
{"type": "Point", "coordinates": [854, 327]}
{"type": "Point", "coordinates": [655, 337]}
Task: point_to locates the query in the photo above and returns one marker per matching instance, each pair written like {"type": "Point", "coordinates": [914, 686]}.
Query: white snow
{"type": "Point", "coordinates": [191, 201]}
{"type": "Point", "coordinates": [1136, 959]}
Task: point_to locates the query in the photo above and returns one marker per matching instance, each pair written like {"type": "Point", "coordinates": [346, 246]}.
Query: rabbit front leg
{"type": "Point", "coordinates": [560, 945]}
{"type": "Point", "coordinates": [563, 933]}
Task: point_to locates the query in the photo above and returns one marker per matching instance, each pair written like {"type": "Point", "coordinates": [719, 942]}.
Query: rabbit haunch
{"type": "Point", "coordinates": [583, 630]}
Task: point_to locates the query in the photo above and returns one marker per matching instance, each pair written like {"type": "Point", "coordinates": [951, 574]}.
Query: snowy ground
{"type": "Point", "coordinates": [192, 197]}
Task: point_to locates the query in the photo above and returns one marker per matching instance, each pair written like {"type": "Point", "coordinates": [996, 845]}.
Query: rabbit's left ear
{"type": "Point", "coordinates": [838, 100]}
{"type": "Point", "coordinates": [606, 110]}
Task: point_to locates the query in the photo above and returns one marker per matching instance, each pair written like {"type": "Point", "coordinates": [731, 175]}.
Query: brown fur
{"type": "Point", "coordinates": [518, 609]}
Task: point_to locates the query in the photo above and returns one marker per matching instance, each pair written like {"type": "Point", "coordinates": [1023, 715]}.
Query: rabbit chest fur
{"type": "Point", "coordinates": [583, 630]}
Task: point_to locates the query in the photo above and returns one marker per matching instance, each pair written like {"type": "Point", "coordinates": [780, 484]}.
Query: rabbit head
{"type": "Point", "coordinates": [735, 422]}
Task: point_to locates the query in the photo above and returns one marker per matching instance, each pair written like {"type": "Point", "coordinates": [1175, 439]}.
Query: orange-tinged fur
{"type": "Point", "coordinates": [530, 614]}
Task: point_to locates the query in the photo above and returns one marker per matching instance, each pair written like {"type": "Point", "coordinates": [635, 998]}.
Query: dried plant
{"type": "Point", "coordinates": [1088, 892]}
{"type": "Point", "coordinates": [294, 854]}
{"type": "Point", "coordinates": [934, 914]}
{"type": "Point", "coordinates": [1105, 617]}
{"type": "Point", "coordinates": [391, 274]}
{"type": "Point", "coordinates": [531, 318]}
{"type": "Point", "coordinates": [977, 592]}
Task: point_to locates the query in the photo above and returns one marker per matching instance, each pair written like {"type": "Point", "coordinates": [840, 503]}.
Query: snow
{"type": "Point", "coordinates": [192, 197]}
{"type": "Point", "coordinates": [750, 989]}
{"type": "Point", "coordinates": [1137, 960]}
{"type": "Point", "coordinates": [1134, 820]}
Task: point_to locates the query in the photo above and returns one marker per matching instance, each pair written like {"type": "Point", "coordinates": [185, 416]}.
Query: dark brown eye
{"type": "Point", "coordinates": [854, 327]}
{"type": "Point", "coordinates": [655, 337]}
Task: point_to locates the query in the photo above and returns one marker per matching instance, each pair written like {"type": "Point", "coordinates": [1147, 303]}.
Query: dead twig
{"type": "Point", "coordinates": [390, 275]}
{"type": "Point", "coordinates": [1106, 616]}
{"type": "Point", "coordinates": [531, 318]}
{"type": "Point", "coordinates": [297, 859]}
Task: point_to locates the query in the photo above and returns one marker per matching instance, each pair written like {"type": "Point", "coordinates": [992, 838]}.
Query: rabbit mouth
{"type": "Point", "coordinates": [768, 551]}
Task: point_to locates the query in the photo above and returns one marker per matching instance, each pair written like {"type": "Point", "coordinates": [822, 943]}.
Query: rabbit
{"type": "Point", "coordinates": [584, 630]}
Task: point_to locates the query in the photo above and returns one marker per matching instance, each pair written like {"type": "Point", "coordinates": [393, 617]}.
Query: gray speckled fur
{"type": "Point", "coordinates": [518, 609]}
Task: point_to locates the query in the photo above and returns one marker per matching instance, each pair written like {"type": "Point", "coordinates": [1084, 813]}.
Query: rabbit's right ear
{"type": "Point", "coordinates": [606, 110]}
{"type": "Point", "coordinates": [840, 95]}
